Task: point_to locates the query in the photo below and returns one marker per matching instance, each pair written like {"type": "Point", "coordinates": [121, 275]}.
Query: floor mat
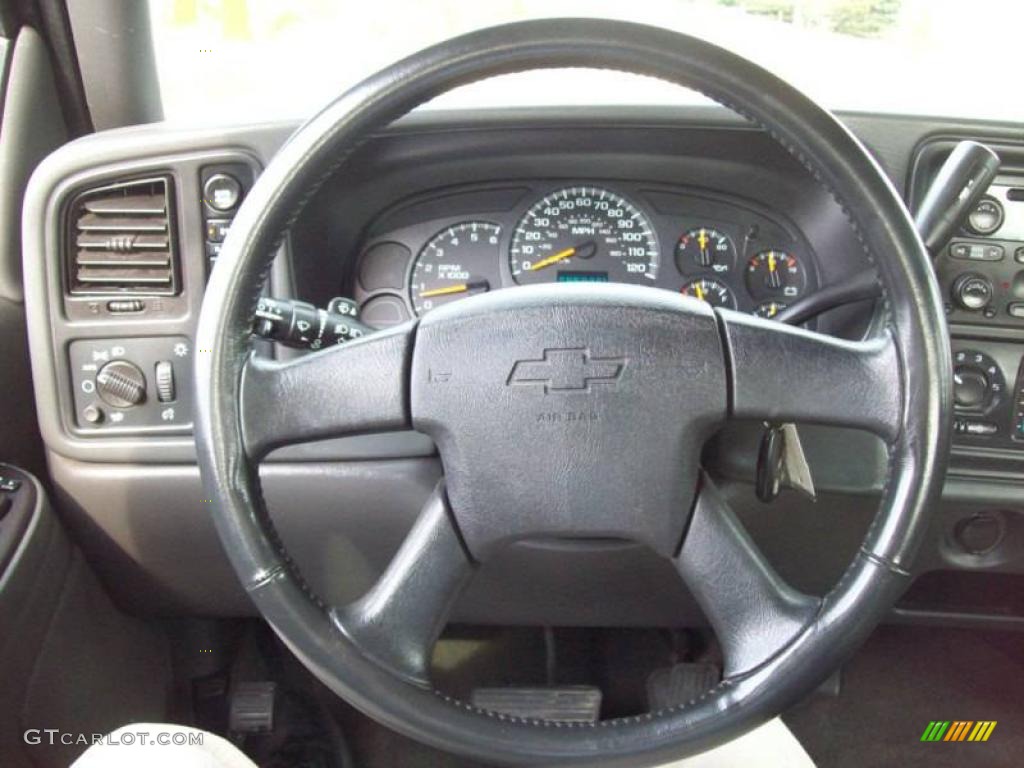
{"type": "Point", "coordinates": [906, 677]}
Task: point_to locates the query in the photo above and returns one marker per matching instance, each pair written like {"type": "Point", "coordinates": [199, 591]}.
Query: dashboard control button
{"type": "Point", "coordinates": [222, 192]}
{"type": "Point", "coordinates": [980, 428]}
{"type": "Point", "coordinates": [92, 414]}
{"type": "Point", "coordinates": [217, 230]}
{"type": "Point", "coordinates": [960, 250]}
{"type": "Point", "coordinates": [970, 387]}
{"type": "Point", "coordinates": [165, 381]}
{"type": "Point", "coordinates": [979, 533]}
{"type": "Point", "coordinates": [1018, 255]}
{"type": "Point", "coordinates": [119, 306]}
{"type": "Point", "coordinates": [121, 384]}
{"type": "Point", "coordinates": [978, 387]}
{"type": "Point", "coordinates": [9, 484]}
{"type": "Point", "coordinates": [972, 291]}
{"type": "Point", "coordinates": [986, 217]}
{"type": "Point", "coordinates": [993, 253]}
{"type": "Point", "coordinates": [1016, 310]}
{"type": "Point", "coordinates": [976, 251]}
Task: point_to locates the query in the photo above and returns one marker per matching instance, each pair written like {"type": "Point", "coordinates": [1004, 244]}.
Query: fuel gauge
{"type": "Point", "coordinates": [714, 292]}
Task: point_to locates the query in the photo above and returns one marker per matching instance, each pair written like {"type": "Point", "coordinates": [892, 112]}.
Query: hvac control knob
{"type": "Point", "coordinates": [970, 386]}
{"type": "Point", "coordinates": [972, 291]}
{"type": "Point", "coordinates": [121, 384]}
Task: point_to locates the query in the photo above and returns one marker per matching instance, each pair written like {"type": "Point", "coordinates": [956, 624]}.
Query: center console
{"type": "Point", "coordinates": [981, 274]}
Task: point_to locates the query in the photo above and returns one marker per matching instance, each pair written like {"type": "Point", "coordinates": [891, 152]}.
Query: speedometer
{"type": "Point", "coordinates": [584, 234]}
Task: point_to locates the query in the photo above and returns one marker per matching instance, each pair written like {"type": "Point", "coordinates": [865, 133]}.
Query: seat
{"type": "Point", "coordinates": [161, 745]}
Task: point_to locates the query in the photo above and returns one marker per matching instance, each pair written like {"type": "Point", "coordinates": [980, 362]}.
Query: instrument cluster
{"type": "Point", "coordinates": [452, 244]}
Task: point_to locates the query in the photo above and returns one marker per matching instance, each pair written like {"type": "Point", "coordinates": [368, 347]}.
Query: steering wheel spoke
{"type": "Point", "coordinates": [355, 388]}
{"type": "Point", "coordinates": [753, 611]}
{"type": "Point", "coordinates": [400, 618]}
{"type": "Point", "coordinates": [784, 374]}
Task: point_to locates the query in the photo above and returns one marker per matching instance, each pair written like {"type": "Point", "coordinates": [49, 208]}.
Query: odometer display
{"type": "Point", "coordinates": [586, 231]}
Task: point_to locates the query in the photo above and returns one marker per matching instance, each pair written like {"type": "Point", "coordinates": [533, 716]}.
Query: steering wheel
{"type": "Point", "coordinates": [601, 395]}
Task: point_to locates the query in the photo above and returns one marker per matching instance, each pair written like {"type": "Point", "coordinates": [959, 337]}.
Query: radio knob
{"type": "Point", "coordinates": [972, 291]}
{"type": "Point", "coordinates": [121, 384]}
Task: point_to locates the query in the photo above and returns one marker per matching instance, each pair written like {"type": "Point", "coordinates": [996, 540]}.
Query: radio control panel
{"type": "Point", "coordinates": [982, 270]}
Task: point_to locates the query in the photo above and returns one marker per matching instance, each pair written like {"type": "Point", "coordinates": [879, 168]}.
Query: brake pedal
{"type": "Point", "coordinates": [567, 704]}
{"type": "Point", "coordinates": [672, 686]}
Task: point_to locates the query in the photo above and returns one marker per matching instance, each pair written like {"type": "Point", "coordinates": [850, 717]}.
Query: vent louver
{"type": "Point", "coordinates": [122, 240]}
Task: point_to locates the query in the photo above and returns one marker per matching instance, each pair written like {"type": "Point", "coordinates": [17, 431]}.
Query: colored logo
{"type": "Point", "coordinates": [958, 730]}
{"type": "Point", "coordinates": [566, 370]}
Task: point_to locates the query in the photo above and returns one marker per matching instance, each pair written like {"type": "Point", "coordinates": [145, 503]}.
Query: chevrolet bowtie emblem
{"type": "Point", "coordinates": [567, 370]}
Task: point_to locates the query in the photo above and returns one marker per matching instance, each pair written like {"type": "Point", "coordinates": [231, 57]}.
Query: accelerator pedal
{"type": "Point", "coordinates": [567, 704]}
{"type": "Point", "coordinates": [252, 707]}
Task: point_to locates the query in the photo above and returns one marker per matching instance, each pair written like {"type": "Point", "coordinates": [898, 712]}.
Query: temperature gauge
{"type": "Point", "coordinates": [775, 274]}
{"type": "Point", "coordinates": [769, 309]}
{"type": "Point", "coordinates": [714, 292]}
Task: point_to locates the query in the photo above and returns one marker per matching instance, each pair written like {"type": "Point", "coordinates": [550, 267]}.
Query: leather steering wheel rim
{"type": "Point", "coordinates": [347, 648]}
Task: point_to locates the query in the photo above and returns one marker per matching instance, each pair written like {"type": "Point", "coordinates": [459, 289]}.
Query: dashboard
{"type": "Point", "coordinates": [721, 249]}
{"type": "Point", "coordinates": [441, 206]}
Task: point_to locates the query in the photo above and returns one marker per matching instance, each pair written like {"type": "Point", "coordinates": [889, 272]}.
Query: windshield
{"type": "Point", "coordinates": [231, 60]}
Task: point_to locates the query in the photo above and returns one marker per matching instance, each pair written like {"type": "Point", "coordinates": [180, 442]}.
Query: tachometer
{"type": "Point", "coordinates": [584, 234]}
{"type": "Point", "coordinates": [456, 262]}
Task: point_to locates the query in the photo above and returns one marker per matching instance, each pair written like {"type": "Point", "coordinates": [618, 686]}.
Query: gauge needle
{"type": "Point", "coordinates": [450, 289]}
{"type": "Point", "coordinates": [774, 280]}
{"type": "Point", "coordinates": [700, 291]}
{"type": "Point", "coordinates": [553, 259]}
{"type": "Point", "coordinates": [583, 251]}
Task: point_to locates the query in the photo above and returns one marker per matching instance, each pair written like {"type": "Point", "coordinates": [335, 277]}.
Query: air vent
{"type": "Point", "coordinates": [121, 240]}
